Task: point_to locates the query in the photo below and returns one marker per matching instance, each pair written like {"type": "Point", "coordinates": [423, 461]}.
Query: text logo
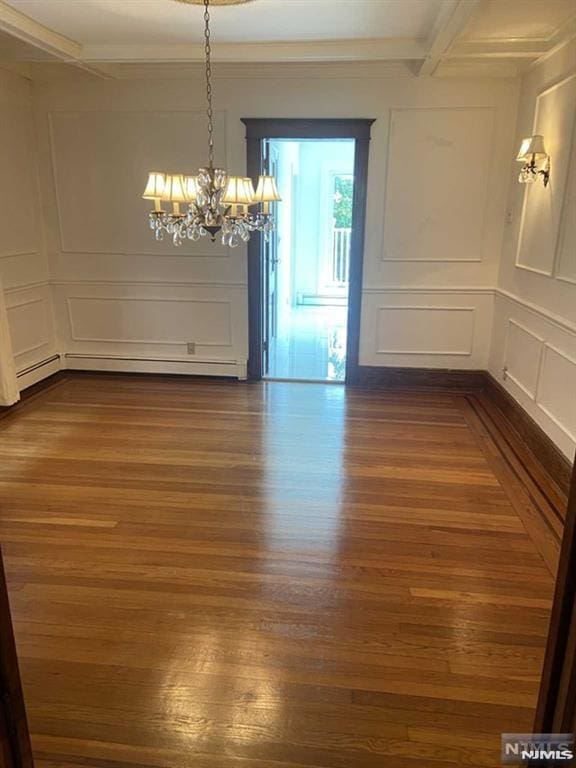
{"type": "Point", "coordinates": [555, 748]}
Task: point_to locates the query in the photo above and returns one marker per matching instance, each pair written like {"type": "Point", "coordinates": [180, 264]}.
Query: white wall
{"type": "Point", "coordinates": [534, 334]}
{"type": "Point", "coordinates": [438, 183]}
{"type": "Point", "coordinates": [23, 265]}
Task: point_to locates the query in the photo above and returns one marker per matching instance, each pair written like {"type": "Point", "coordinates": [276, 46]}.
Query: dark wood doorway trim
{"type": "Point", "coordinates": [15, 749]}
{"type": "Point", "coordinates": [556, 711]}
{"type": "Point", "coordinates": [258, 129]}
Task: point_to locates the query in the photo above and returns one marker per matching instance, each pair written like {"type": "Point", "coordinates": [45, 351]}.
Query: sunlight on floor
{"type": "Point", "coordinates": [312, 345]}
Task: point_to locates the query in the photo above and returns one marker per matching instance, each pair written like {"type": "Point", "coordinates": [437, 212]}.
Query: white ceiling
{"type": "Point", "coordinates": [164, 22]}
{"type": "Point", "coordinates": [519, 19]}
{"type": "Point", "coordinates": [430, 36]}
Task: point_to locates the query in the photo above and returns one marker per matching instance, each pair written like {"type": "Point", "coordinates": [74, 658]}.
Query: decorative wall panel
{"type": "Point", "coordinates": [557, 390]}
{"type": "Point", "coordinates": [100, 163]}
{"type": "Point", "coordinates": [543, 206]}
{"type": "Point", "coordinates": [439, 163]}
{"type": "Point", "coordinates": [523, 357]}
{"type": "Point", "coordinates": [425, 330]}
{"type": "Point", "coordinates": [147, 320]}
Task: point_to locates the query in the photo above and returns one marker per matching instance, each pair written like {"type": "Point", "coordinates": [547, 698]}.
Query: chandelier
{"type": "Point", "coordinates": [213, 202]}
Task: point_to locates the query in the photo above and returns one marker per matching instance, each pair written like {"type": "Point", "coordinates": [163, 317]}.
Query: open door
{"type": "Point", "coordinates": [263, 270]}
{"type": "Point", "coordinates": [270, 266]}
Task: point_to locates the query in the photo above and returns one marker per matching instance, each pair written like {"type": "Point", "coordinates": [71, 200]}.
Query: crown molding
{"type": "Point", "coordinates": [564, 36]}
{"type": "Point", "coordinates": [24, 28]}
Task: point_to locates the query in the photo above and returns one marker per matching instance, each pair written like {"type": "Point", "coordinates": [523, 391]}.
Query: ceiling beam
{"type": "Point", "coordinates": [62, 48]}
{"type": "Point", "coordinates": [389, 49]}
{"type": "Point", "coordinates": [451, 21]}
{"type": "Point", "coordinates": [499, 48]}
{"type": "Point", "coordinates": [24, 28]}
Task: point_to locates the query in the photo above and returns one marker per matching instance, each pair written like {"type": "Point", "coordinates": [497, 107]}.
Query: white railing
{"type": "Point", "coordinates": [340, 255]}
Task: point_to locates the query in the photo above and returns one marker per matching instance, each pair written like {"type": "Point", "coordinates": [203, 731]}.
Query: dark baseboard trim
{"type": "Point", "coordinates": [524, 434]}
{"type": "Point", "coordinates": [430, 379]}
{"type": "Point", "coordinates": [529, 433]}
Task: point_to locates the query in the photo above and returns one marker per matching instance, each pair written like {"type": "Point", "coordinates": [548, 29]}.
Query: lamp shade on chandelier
{"type": "Point", "coordinates": [210, 203]}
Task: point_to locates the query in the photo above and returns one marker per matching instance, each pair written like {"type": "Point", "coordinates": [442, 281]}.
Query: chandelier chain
{"type": "Point", "coordinates": [215, 202]}
{"type": "Point", "coordinates": [209, 111]}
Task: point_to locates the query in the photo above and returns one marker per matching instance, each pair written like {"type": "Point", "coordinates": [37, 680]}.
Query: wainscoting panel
{"type": "Point", "coordinates": [557, 390]}
{"type": "Point", "coordinates": [19, 190]}
{"type": "Point", "coordinates": [426, 328]}
{"type": "Point", "coordinates": [192, 324]}
{"type": "Point", "coordinates": [149, 320]}
{"type": "Point", "coordinates": [566, 252]}
{"type": "Point", "coordinates": [99, 203]}
{"type": "Point", "coordinates": [31, 325]}
{"type": "Point", "coordinates": [439, 163]}
{"type": "Point", "coordinates": [543, 206]}
{"type": "Point", "coordinates": [23, 268]}
{"type": "Point", "coordinates": [523, 357]}
{"type": "Point", "coordinates": [535, 361]}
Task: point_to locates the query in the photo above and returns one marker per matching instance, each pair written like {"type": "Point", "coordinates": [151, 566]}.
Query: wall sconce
{"type": "Point", "coordinates": [536, 161]}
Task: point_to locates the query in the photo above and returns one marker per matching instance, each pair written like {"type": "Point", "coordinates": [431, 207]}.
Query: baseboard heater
{"type": "Point", "coordinates": [204, 367]}
{"type": "Point", "coordinates": [37, 366]}
{"type": "Point", "coordinates": [321, 300]}
{"type": "Point", "coordinates": [36, 372]}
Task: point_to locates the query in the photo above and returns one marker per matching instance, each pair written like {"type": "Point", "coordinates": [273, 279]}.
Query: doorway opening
{"type": "Point", "coordinates": [305, 281]}
{"type": "Point", "coordinates": [306, 260]}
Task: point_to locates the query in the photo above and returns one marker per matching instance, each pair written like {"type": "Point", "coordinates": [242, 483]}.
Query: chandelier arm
{"type": "Point", "coordinates": [209, 111]}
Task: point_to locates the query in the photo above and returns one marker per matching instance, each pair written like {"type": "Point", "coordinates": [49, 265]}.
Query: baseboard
{"type": "Point", "coordinates": [524, 434]}
{"type": "Point", "coordinates": [529, 433]}
{"type": "Point", "coordinates": [430, 379]}
{"type": "Point", "coordinates": [110, 363]}
{"type": "Point", "coordinates": [531, 490]}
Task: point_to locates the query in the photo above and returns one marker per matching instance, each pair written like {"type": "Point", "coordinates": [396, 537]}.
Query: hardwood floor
{"type": "Point", "coordinates": [227, 575]}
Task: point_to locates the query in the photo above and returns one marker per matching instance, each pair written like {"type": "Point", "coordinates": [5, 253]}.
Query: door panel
{"type": "Point", "coordinates": [270, 267]}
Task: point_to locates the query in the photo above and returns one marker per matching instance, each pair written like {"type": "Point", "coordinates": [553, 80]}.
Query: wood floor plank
{"type": "Point", "coordinates": [277, 575]}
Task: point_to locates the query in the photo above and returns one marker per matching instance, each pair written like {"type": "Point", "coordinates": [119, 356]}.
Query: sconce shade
{"type": "Point", "coordinates": [155, 186]}
{"type": "Point", "coordinates": [532, 146]}
{"type": "Point", "coordinates": [237, 192]}
{"type": "Point", "coordinates": [267, 191]}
